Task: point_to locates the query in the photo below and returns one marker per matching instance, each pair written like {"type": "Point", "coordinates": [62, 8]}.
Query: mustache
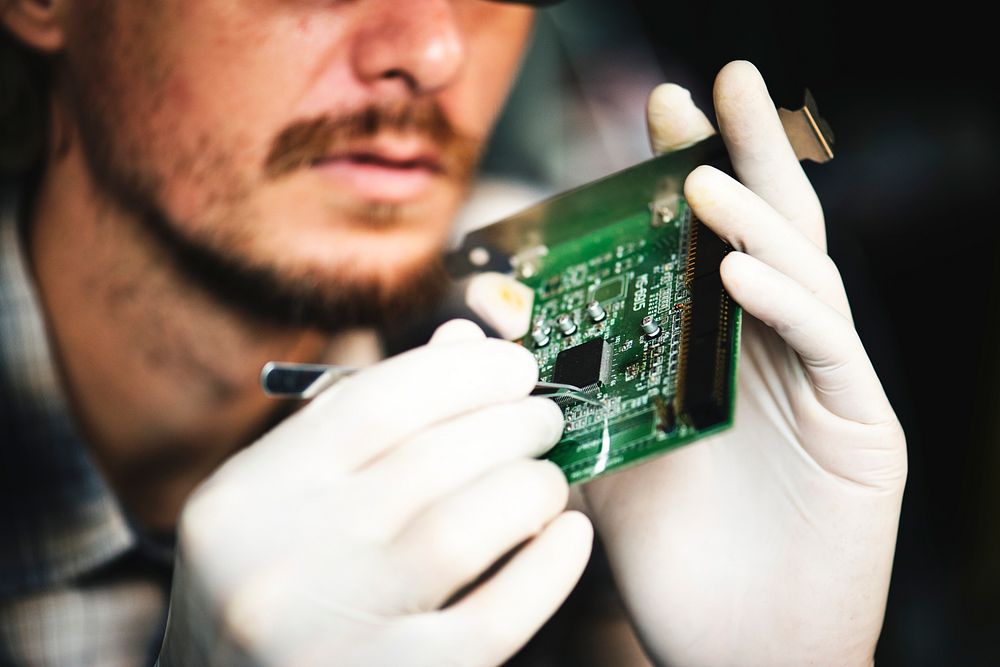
{"type": "Point", "coordinates": [305, 142]}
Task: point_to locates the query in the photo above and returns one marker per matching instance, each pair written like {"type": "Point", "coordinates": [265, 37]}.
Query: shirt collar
{"type": "Point", "coordinates": [58, 517]}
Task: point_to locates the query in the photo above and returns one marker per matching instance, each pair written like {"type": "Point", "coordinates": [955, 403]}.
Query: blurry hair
{"type": "Point", "coordinates": [25, 77]}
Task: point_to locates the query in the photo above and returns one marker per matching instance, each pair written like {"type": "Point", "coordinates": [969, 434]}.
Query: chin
{"type": "Point", "coordinates": [385, 254]}
{"type": "Point", "coordinates": [353, 234]}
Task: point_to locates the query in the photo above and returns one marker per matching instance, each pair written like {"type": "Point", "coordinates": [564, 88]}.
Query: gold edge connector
{"type": "Point", "coordinates": [721, 350]}
{"type": "Point", "coordinates": [682, 357]}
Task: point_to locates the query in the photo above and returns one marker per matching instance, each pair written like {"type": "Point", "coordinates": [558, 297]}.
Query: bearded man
{"type": "Point", "coordinates": [205, 185]}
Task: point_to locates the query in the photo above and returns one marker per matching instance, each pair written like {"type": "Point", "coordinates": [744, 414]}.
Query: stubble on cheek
{"type": "Point", "coordinates": [143, 136]}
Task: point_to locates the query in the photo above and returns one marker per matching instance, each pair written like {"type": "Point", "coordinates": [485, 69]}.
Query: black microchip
{"type": "Point", "coordinates": [583, 366]}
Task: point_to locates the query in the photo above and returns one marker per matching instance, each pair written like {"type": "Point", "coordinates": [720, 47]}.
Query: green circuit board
{"type": "Point", "coordinates": [632, 270]}
{"type": "Point", "coordinates": [630, 308]}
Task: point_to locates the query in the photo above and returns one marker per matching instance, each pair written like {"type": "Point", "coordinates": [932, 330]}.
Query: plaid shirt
{"type": "Point", "coordinates": [78, 584]}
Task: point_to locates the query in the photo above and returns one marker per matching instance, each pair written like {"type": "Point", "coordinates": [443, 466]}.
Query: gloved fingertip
{"type": "Point", "coordinates": [738, 271]}
{"type": "Point", "coordinates": [577, 530]}
{"type": "Point", "coordinates": [734, 262]}
{"type": "Point", "coordinates": [457, 330]}
{"type": "Point", "coordinates": [739, 70]}
{"type": "Point", "coordinates": [509, 365]}
{"type": "Point", "coordinates": [737, 84]}
{"type": "Point", "coordinates": [673, 119]}
{"type": "Point", "coordinates": [668, 94]}
{"type": "Point", "coordinates": [527, 361]}
{"type": "Point", "coordinates": [551, 417]}
{"type": "Point", "coordinates": [699, 185]}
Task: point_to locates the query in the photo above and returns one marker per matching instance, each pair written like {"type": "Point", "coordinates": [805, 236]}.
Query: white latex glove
{"type": "Point", "coordinates": [339, 537]}
{"type": "Point", "coordinates": [772, 543]}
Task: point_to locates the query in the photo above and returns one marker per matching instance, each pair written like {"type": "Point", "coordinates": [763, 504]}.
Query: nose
{"type": "Point", "coordinates": [416, 44]}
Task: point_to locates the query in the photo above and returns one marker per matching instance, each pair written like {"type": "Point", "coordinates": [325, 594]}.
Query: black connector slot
{"type": "Point", "coordinates": [708, 248]}
{"type": "Point", "coordinates": [708, 332]}
{"type": "Point", "coordinates": [705, 295]}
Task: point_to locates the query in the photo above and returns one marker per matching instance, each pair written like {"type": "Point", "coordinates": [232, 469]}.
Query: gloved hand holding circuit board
{"type": "Point", "coordinates": [770, 543]}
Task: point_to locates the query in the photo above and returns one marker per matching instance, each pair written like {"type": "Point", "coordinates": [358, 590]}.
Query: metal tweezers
{"type": "Point", "coordinates": [303, 381]}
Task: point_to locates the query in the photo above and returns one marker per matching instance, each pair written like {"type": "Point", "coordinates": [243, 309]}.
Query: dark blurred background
{"type": "Point", "coordinates": [911, 209]}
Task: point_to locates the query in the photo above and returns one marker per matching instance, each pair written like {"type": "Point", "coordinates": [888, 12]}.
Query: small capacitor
{"type": "Point", "coordinates": [651, 327]}
{"type": "Point", "coordinates": [566, 324]}
{"type": "Point", "coordinates": [596, 311]}
{"type": "Point", "coordinates": [543, 326]}
{"type": "Point", "coordinates": [541, 336]}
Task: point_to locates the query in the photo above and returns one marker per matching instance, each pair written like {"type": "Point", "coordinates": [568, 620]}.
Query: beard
{"type": "Point", "coordinates": [123, 162]}
{"type": "Point", "coordinates": [331, 302]}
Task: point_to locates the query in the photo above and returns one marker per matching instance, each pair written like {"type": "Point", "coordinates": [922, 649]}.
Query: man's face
{"type": "Point", "coordinates": [316, 150]}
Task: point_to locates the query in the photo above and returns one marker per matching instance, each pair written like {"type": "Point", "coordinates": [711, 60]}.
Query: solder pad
{"type": "Point", "coordinates": [631, 243]}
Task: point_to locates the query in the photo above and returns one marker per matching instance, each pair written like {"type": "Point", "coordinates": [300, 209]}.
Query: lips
{"type": "Point", "coordinates": [390, 173]}
{"type": "Point", "coordinates": [379, 160]}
